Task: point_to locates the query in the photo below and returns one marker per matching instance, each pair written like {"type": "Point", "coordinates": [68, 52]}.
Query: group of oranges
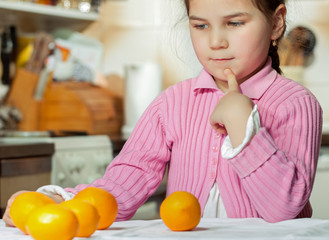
{"type": "Point", "coordinates": [38, 215]}
{"type": "Point", "coordinates": [91, 209]}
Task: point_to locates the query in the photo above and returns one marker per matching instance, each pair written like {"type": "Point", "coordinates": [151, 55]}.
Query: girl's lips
{"type": "Point", "coordinates": [221, 59]}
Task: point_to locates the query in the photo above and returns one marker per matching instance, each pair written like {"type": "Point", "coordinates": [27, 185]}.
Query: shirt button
{"type": "Point", "coordinates": [217, 135]}
{"type": "Point", "coordinates": [215, 149]}
{"type": "Point", "coordinates": [212, 175]}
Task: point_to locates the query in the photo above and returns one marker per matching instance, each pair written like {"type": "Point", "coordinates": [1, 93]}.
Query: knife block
{"type": "Point", "coordinates": [80, 107]}
{"type": "Point", "coordinates": [21, 96]}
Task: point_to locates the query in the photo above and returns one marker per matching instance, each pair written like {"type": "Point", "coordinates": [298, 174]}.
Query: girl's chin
{"type": "Point", "coordinates": [220, 76]}
{"type": "Point", "coordinates": [220, 79]}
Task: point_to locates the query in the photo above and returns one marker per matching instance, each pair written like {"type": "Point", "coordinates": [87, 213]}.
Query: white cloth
{"type": "Point", "coordinates": [51, 190]}
{"type": "Point", "coordinates": [214, 206]}
{"type": "Point", "coordinates": [209, 228]}
{"type": "Point", "coordinates": [253, 126]}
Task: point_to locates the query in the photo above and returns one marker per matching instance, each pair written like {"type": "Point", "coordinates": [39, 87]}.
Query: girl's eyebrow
{"type": "Point", "coordinates": [233, 15]}
{"type": "Point", "coordinates": [239, 14]}
{"type": "Point", "coordinates": [196, 18]}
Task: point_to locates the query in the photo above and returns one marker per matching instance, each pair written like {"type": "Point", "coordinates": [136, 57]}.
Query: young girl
{"type": "Point", "coordinates": [240, 137]}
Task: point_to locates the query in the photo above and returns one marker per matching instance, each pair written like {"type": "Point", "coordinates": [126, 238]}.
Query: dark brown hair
{"type": "Point", "coordinates": [267, 7]}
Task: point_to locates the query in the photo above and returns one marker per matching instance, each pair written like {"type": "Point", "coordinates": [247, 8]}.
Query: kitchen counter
{"type": "Point", "coordinates": [224, 229]}
{"type": "Point", "coordinates": [17, 149]}
{"type": "Point", "coordinates": [23, 166]}
{"type": "Point", "coordinates": [325, 139]}
{"type": "Point", "coordinates": [325, 133]}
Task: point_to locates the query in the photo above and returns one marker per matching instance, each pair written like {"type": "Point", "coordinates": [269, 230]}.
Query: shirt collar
{"type": "Point", "coordinates": [254, 87]}
{"type": "Point", "coordinates": [205, 81]}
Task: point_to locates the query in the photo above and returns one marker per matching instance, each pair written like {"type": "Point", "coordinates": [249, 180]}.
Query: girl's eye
{"type": "Point", "coordinates": [235, 24]}
{"type": "Point", "coordinates": [201, 26]}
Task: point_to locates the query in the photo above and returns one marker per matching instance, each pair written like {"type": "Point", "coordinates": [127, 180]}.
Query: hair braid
{"type": "Point", "coordinates": [273, 53]}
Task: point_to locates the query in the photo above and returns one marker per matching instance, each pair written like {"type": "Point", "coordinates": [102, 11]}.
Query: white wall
{"type": "Point", "coordinates": [143, 30]}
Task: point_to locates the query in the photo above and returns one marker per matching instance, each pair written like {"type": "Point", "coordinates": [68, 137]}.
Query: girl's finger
{"type": "Point", "coordinates": [231, 80]}
{"type": "Point", "coordinates": [220, 128]}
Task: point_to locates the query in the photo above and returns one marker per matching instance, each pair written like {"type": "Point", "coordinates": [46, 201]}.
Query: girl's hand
{"type": "Point", "coordinates": [231, 113]}
{"type": "Point", "coordinates": [6, 217]}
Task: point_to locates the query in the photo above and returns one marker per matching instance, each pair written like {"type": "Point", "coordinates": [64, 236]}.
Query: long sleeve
{"type": "Point", "coordinates": [278, 167]}
{"type": "Point", "coordinates": [137, 171]}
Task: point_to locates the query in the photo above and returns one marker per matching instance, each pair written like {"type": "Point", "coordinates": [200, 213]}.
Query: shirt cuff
{"type": "Point", "coordinates": [253, 126]}
{"type": "Point", "coordinates": [51, 190]}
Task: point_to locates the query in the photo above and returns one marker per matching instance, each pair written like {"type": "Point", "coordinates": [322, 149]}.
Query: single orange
{"type": "Point", "coordinates": [104, 202]}
{"type": "Point", "coordinates": [87, 215]}
{"type": "Point", "coordinates": [52, 222]}
{"type": "Point", "coordinates": [180, 211]}
{"type": "Point", "coordinates": [24, 204]}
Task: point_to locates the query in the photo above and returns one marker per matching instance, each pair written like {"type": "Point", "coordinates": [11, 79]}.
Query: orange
{"type": "Point", "coordinates": [87, 215]}
{"type": "Point", "coordinates": [52, 222]}
{"type": "Point", "coordinates": [104, 202]}
{"type": "Point", "coordinates": [180, 211]}
{"type": "Point", "coordinates": [24, 204]}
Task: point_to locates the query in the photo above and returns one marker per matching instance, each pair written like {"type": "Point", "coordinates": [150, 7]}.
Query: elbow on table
{"type": "Point", "coordinates": [277, 219]}
{"type": "Point", "coordinates": [124, 217]}
{"type": "Point", "coordinates": [289, 216]}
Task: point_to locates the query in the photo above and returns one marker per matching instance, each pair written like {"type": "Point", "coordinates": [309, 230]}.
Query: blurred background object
{"type": "Point", "coordinates": [9, 117]}
{"type": "Point", "coordinates": [8, 53]}
{"type": "Point", "coordinates": [76, 56]}
{"type": "Point", "coordinates": [296, 51]}
{"type": "Point", "coordinates": [143, 83]}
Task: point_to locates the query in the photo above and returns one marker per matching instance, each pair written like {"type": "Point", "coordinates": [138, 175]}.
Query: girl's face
{"type": "Point", "coordinates": [229, 34]}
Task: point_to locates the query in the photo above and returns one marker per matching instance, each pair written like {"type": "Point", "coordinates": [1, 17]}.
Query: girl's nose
{"type": "Point", "coordinates": [218, 41]}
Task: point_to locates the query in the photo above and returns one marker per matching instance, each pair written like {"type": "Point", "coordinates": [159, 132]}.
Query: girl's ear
{"type": "Point", "coordinates": [279, 22]}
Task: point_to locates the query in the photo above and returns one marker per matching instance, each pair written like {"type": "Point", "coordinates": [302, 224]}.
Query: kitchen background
{"type": "Point", "coordinates": [133, 40]}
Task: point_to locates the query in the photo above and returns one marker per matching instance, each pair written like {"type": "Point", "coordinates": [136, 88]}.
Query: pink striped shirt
{"type": "Point", "coordinates": [271, 178]}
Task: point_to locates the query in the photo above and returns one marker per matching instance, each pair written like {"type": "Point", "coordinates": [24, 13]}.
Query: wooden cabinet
{"type": "Point", "coordinates": [23, 166]}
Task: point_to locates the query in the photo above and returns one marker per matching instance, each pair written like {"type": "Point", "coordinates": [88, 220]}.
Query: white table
{"type": "Point", "coordinates": [237, 229]}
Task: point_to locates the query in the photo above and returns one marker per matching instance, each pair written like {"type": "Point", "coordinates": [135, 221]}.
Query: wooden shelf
{"type": "Point", "coordinates": [30, 16]}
